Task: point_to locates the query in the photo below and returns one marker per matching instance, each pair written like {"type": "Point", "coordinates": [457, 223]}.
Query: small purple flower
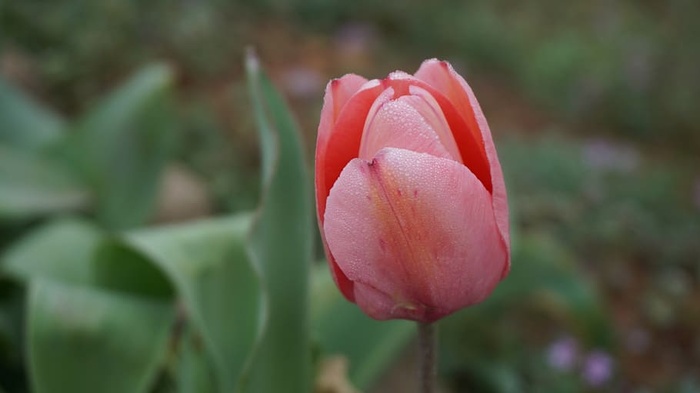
{"type": "Point", "coordinates": [562, 354]}
{"type": "Point", "coordinates": [597, 368]}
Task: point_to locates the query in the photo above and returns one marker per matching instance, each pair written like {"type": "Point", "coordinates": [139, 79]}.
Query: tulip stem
{"type": "Point", "coordinates": [427, 343]}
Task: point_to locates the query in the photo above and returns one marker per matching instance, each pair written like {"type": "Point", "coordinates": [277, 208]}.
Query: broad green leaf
{"type": "Point", "coordinates": [60, 250]}
{"type": "Point", "coordinates": [23, 123]}
{"type": "Point", "coordinates": [83, 339]}
{"type": "Point", "coordinates": [124, 269]}
{"type": "Point", "coordinates": [208, 264]}
{"type": "Point", "coordinates": [194, 372]}
{"type": "Point", "coordinates": [342, 329]}
{"type": "Point", "coordinates": [121, 146]}
{"type": "Point", "coordinates": [281, 244]}
{"type": "Point", "coordinates": [12, 304]}
{"type": "Point", "coordinates": [32, 186]}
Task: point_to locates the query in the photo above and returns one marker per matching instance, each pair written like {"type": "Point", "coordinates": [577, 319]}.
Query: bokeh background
{"type": "Point", "coordinates": [595, 110]}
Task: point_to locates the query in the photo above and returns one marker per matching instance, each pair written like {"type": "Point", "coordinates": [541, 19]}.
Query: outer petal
{"type": "Point", "coordinates": [339, 142]}
{"type": "Point", "coordinates": [336, 145]}
{"type": "Point", "coordinates": [441, 76]}
{"type": "Point", "coordinates": [338, 93]}
{"type": "Point", "coordinates": [400, 229]}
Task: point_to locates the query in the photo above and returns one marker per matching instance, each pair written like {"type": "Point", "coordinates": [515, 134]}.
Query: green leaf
{"type": "Point", "coordinates": [23, 123]}
{"type": "Point", "coordinates": [342, 329]}
{"type": "Point", "coordinates": [281, 243]}
{"type": "Point", "coordinates": [83, 339]}
{"type": "Point", "coordinates": [124, 269]}
{"type": "Point", "coordinates": [194, 373]}
{"type": "Point", "coordinates": [12, 324]}
{"type": "Point", "coordinates": [76, 329]}
{"type": "Point", "coordinates": [121, 147]}
{"type": "Point", "coordinates": [32, 186]}
{"type": "Point", "coordinates": [60, 250]}
{"type": "Point", "coordinates": [209, 266]}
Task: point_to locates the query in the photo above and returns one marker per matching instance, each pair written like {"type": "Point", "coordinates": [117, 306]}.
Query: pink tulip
{"type": "Point", "coordinates": [409, 194]}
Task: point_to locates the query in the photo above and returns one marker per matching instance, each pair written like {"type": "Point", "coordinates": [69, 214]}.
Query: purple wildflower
{"type": "Point", "coordinates": [562, 354]}
{"type": "Point", "coordinates": [597, 368]}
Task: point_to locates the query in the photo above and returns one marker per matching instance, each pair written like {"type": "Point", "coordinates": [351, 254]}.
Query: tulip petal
{"type": "Point", "coordinates": [441, 76]}
{"type": "Point", "coordinates": [408, 122]}
{"type": "Point", "coordinates": [429, 108]}
{"type": "Point", "coordinates": [470, 144]}
{"type": "Point", "coordinates": [415, 233]}
{"type": "Point", "coordinates": [338, 92]}
{"type": "Point", "coordinates": [343, 140]}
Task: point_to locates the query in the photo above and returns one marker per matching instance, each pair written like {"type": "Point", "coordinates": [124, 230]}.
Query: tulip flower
{"type": "Point", "coordinates": [410, 196]}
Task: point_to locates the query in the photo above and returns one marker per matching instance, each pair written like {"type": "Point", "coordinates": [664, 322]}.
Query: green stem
{"type": "Point", "coordinates": [427, 343]}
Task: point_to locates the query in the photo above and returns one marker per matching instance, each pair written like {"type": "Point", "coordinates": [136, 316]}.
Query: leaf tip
{"type": "Point", "coordinates": [252, 64]}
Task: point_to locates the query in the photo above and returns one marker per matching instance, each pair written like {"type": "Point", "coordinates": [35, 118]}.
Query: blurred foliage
{"type": "Point", "coordinates": [116, 342]}
{"type": "Point", "coordinates": [110, 160]}
{"type": "Point", "coordinates": [605, 210]}
{"type": "Point", "coordinates": [207, 306]}
{"type": "Point", "coordinates": [615, 62]}
{"type": "Point", "coordinates": [281, 243]}
{"type": "Point", "coordinates": [26, 125]}
{"type": "Point", "coordinates": [604, 199]}
{"type": "Point", "coordinates": [133, 122]}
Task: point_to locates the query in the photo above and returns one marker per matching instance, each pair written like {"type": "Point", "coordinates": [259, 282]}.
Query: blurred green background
{"type": "Point", "coordinates": [594, 107]}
